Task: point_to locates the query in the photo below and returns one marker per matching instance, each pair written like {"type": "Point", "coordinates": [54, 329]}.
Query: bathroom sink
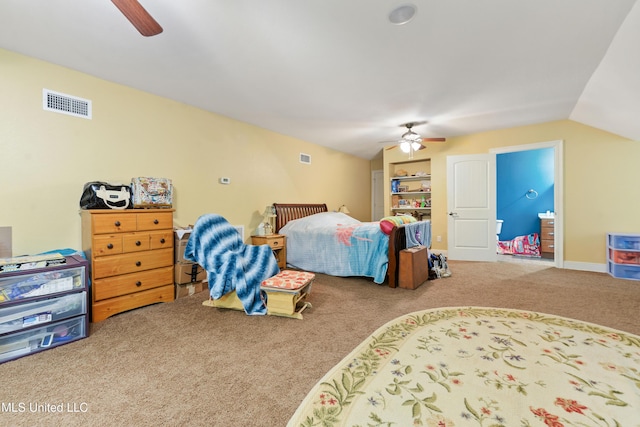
{"type": "Point", "coordinates": [546, 215]}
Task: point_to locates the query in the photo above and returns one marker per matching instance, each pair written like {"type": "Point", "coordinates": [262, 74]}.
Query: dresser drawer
{"type": "Point", "coordinates": [131, 263]}
{"type": "Point", "coordinates": [133, 282]}
{"type": "Point", "coordinates": [276, 243]}
{"type": "Point", "coordinates": [546, 246]}
{"type": "Point", "coordinates": [136, 242]}
{"type": "Point", "coordinates": [107, 244]}
{"type": "Point", "coordinates": [547, 233]}
{"type": "Point", "coordinates": [161, 239]}
{"type": "Point", "coordinates": [116, 222]}
{"type": "Point", "coordinates": [103, 309]}
{"type": "Point", "coordinates": [154, 221]}
{"type": "Point", "coordinates": [547, 222]}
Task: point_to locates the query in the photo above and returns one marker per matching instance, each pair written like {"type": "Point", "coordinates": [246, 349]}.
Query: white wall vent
{"type": "Point", "coordinates": [305, 158]}
{"type": "Point", "coordinates": [66, 104]}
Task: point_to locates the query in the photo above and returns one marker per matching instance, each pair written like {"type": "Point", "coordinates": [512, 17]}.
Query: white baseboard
{"type": "Point", "coordinates": [569, 265]}
{"type": "Point", "coordinates": [585, 266]}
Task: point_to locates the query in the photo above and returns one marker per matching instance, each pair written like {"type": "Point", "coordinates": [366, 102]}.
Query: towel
{"type": "Point", "coordinates": [418, 233]}
{"type": "Point", "coordinates": [230, 264]}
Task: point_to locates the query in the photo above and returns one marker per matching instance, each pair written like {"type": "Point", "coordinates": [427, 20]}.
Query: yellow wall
{"type": "Point", "coordinates": [46, 157]}
{"type": "Point", "coordinates": [601, 181]}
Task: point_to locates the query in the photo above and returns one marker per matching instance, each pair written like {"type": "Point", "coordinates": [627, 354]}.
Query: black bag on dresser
{"type": "Point", "coordinates": [102, 195]}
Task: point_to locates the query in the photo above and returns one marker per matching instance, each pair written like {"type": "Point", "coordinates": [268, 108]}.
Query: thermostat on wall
{"type": "Point", "coordinates": [225, 180]}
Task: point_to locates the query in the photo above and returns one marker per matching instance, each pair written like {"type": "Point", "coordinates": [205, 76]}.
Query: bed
{"type": "Point", "coordinates": [375, 265]}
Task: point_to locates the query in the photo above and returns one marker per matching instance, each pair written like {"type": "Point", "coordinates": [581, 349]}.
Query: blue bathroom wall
{"type": "Point", "coordinates": [517, 173]}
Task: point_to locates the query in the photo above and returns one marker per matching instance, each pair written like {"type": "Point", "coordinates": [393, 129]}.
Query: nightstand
{"type": "Point", "coordinates": [278, 244]}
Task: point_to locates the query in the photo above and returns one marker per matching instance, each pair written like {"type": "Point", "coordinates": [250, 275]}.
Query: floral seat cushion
{"type": "Point", "coordinates": [288, 280]}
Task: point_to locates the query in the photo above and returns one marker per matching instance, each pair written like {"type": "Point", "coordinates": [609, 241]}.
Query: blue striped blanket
{"type": "Point", "coordinates": [230, 264]}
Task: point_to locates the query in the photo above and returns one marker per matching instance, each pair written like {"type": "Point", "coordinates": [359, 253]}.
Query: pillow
{"type": "Point", "coordinates": [388, 222]}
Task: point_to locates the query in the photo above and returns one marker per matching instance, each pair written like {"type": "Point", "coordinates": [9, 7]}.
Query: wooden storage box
{"type": "Point", "coordinates": [414, 267]}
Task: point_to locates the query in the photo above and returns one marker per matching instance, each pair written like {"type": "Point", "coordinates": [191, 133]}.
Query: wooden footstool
{"type": "Point", "coordinates": [286, 293]}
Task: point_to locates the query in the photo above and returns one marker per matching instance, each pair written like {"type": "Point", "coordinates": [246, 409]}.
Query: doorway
{"type": "Point", "coordinates": [377, 195]}
{"type": "Point", "coordinates": [472, 246]}
{"type": "Point", "coordinates": [558, 185]}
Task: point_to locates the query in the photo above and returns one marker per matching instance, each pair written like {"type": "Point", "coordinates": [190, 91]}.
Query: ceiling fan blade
{"type": "Point", "coordinates": [433, 139]}
{"type": "Point", "coordinates": [139, 17]}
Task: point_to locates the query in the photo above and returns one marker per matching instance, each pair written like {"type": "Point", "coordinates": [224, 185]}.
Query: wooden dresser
{"type": "Point", "coordinates": [131, 258]}
{"type": "Point", "coordinates": [547, 233]}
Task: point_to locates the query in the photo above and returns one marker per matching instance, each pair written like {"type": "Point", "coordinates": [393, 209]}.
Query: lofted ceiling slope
{"type": "Point", "coordinates": [339, 74]}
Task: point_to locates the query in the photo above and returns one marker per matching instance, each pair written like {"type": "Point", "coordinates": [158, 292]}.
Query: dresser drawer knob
{"type": "Point", "coordinates": [110, 246]}
{"type": "Point", "coordinates": [117, 223]}
{"type": "Point", "coordinates": [138, 283]}
{"type": "Point", "coordinates": [162, 240]}
{"type": "Point", "coordinates": [138, 263]}
{"type": "Point", "coordinates": [138, 243]}
{"type": "Point", "coordinates": [156, 222]}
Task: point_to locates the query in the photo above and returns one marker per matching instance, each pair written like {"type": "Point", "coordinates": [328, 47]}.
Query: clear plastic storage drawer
{"type": "Point", "coordinates": [37, 284]}
{"type": "Point", "coordinates": [624, 257]}
{"type": "Point", "coordinates": [33, 340]}
{"type": "Point", "coordinates": [625, 271]}
{"type": "Point", "coordinates": [16, 317]}
{"type": "Point", "coordinates": [622, 241]}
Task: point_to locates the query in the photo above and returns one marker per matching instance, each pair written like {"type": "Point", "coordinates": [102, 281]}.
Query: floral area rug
{"type": "Point", "coordinates": [482, 367]}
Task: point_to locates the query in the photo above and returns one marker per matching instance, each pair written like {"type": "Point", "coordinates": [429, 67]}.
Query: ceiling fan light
{"type": "Point", "coordinates": [405, 146]}
{"type": "Point", "coordinates": [416, 146]}
{"type": "Point", "coordinates": [411, 136]}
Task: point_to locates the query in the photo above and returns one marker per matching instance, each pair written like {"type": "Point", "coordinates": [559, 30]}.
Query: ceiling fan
{"type": "Point", "coordinates": [139, 17]}
{"type": "Point", "coordinates": [412, 141]}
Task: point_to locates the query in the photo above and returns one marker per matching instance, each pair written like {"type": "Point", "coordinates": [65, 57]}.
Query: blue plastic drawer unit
{"type": "Point", "coordinates": [623, 255]}
{"type": "Point", "coordinates": [43, 307]}
{"type": "Point", "coordinates": [625, 271]}
{"type": "Point", "coordinates": [624, 241]}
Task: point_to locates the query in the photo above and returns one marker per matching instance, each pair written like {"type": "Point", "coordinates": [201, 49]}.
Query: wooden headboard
{"type": "Point", "coordinates": [286, 212]}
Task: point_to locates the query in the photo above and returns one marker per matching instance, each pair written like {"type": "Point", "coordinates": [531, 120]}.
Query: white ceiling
{"type": "Point", "coordinates": [337, 73]}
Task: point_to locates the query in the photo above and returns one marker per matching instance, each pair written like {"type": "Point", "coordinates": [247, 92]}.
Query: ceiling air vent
{"type": "Point", "coordinates": [66, 104]}
{"type": "Point", "coordinates": [305, 158]}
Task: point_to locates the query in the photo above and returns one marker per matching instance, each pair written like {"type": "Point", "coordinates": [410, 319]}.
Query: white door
{"type": "Point", "coordinates": [471, 205]}
{"type": "Point", "coordinates": [377, 195]}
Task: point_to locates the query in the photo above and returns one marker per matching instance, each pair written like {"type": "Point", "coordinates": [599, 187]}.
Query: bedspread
{"type": "Point", "coordinates": [341, 246]}
{"type": "Point", "coordinates": [230, 264]}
